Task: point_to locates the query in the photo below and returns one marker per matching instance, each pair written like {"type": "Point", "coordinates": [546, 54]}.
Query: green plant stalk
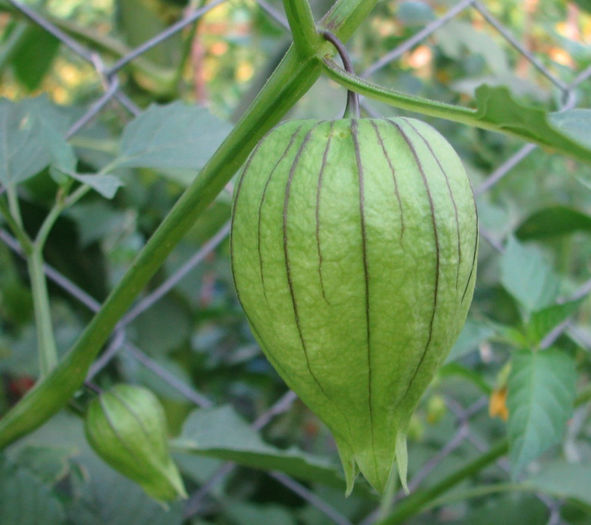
{"type": "Point", "coordinates": [476, 492]}
{"type": "Point", "coordinates": [417, 501]}
{"type": "Point", "coordinates": [13, 205]}
{"type": "Point", "coordinates": [46, 347]}
{"type": "Point", "coordinates": [292, 78]}
{"type": "Point", "coordinates": [398, 99]}
{"type": "Point", "coordinates": [19, 233]}
{"type": "Point", "coordinates": [305, 37]}
{"type": "Point", "coordinates": [61, 204]}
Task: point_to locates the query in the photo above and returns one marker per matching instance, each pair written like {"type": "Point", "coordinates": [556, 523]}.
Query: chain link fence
{"type": "Point", "coordinates": [113, 93]}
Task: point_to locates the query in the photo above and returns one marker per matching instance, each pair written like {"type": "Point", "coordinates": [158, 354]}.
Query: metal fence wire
{"type": "Point", "coordinates": [119, 342]}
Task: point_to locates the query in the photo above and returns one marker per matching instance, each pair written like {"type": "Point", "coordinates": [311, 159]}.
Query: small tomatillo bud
{"type": "Point", "coordinates": [126, 427]}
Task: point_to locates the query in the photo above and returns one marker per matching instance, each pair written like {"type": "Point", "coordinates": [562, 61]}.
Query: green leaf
{"type": "Point", "coordinates": [104, 495]}
{"type": "Point", "coordinates": [106, 185]}
{"type": "Point", "coordinates": [575, 123]}
{"type": "Point", "coordinates": [97, 220]}
{"type": "Point", "coordinates": [509, 509]}
{"type": "Point", "coordinates": [63, 163]}
{"type": "Point", "coordinates": [584, 4]}
{"type": "Point", "coordinates": [459, 39]}
{"type": "Point", "coordinates": [563, 480]}
{"type": "Point", "coordinates": [541, 393]}
{"type": "Point", "coordinates": [173, 136]}
{"type": "Point", "coordinates": [140, 20]}
{"type": "Point", "coordinates": [34, 55]}
{"type": "Point", "coordinates": [48, 464]}
{"type": "Point", "coordinates": [242, 513]}
{"type": "Point", "coordinates": [543, 321]}
{"type": "Point", "coordinates": [473, 333]}
{"type": "Point", "coordinates": [413, 13]}
{"type": "Point", "coordinates": [25, 500]}
{"type": "Point", "coordinates": [528, 276]}
{"type": "Point", "coordinates": [553, 221]}
{"type": "Point", "coordinates": [163, 327]}
{"type": "Point", "coordinates": [110, 498]}
{"type": "Point", "coordinates": [24, 149]}
{"type": "Point", "coordinates": [221, 433]}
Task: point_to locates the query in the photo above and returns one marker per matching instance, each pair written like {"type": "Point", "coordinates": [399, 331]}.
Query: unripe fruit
{"type": "Point", "coordinates": [126, 427]}
{"type": "Point", "coordinates": [354, 252]}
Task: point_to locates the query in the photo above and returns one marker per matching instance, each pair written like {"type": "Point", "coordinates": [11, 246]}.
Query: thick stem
{"type": "Point", "coordinates": [292, 78]}
{"type": "Point", "coordinates": [301, 22]}
{"type": "Point", "coordinates": [45, 340]}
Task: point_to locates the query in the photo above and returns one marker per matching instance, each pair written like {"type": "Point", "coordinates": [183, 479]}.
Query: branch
{"type": "Point", "coordinates": [305, 37]}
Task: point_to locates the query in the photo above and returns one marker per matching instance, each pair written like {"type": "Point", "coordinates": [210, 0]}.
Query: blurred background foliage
{"type": "Point", "coordinates": [535, 222]}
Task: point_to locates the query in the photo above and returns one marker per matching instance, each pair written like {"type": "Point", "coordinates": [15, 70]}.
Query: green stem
{"type": "Point", "coordinates": [400, 100]}
{"type": "Point", "coordinates": [417, 501]}
{"type": "Point", "coordinates": [292, 78]}
{"type": "Point", "coordinates": [60, 205]}
{"type": "Point", "coordinates": [19, 232]}
{"type": "Point", "coordinates": [584, 396]}
{"type": "Point", "coordinates": [45, 339]}
{"type": "Point", "coordinates": [427, 498]}
{"type": "Point", "coordinates": [13, 205]}
{"type": "Point", "coordinates": [550, 139]}
{"type": "Point", "coordinates": [301, 21]}
{"type": "Point", "coordinates": [476, 492]}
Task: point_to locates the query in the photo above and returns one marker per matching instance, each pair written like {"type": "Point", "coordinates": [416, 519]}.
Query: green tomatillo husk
{"type": "Point", "coordinates": [354, 247]}
{"type": "Point", "coordinates": [126, 427]}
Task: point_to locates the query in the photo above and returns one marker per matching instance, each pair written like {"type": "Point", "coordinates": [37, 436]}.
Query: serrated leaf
{"type": "Point", "coordinates": [175, 136]}
{"type": "Point", "coordinates": [528, 276]}
{"type": "Point", "coordinates": [24, 149]}
{"type": "Point", "coordinates": [473, 333]}
{"type": "Point", "coordinates": [543, 321]}
{"type": "Point", "coordinates": [563, 480]}
{"type": "Point", "coordinates": [219, 432]}
{"type": "Point", "coordinates": [541, 393]}
{"type": "Point", "coordinates": [25, 500]}
{"type": "Point", "coordinates": [553, 221]}
{"type": "Point", "coordinates": [496, 105]}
